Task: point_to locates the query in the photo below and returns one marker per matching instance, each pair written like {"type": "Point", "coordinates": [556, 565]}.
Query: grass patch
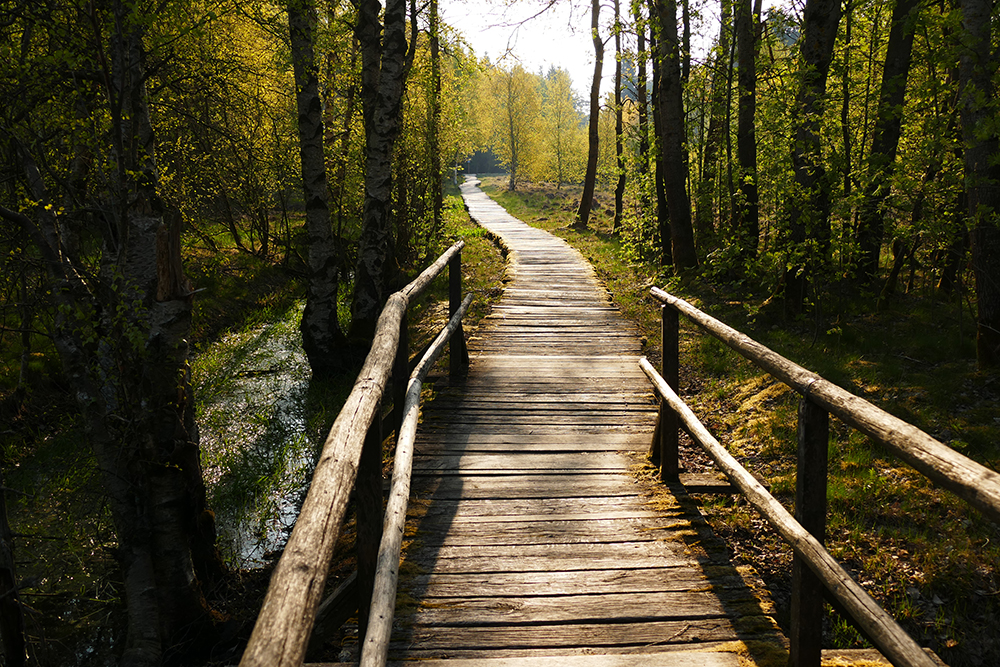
{"type": "Point", "coordinates": [928, 558]}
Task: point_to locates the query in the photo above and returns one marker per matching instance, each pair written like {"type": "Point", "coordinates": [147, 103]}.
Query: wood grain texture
{"type": "Point", "coordinates": [529, 536]}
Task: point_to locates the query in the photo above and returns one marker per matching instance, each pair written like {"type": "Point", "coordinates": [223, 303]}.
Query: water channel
{"type": "Point", "coordinates": [259, 435]}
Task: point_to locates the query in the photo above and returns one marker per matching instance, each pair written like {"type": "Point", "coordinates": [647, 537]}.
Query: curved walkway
{"type": "Point", "coordinates": [531, 537]}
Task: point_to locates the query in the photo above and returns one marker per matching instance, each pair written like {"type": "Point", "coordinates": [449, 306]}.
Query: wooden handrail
{"type": "Point", "coordinates": [974, 483]}
{"type": "Point", "coordinates": [891, 639]}
{"type": "Point", "coordinates": [812, 567]}
{"type": "Point", "coordinates": [375, 646]}
{"type": "Point", "coordinates": [281, 634]}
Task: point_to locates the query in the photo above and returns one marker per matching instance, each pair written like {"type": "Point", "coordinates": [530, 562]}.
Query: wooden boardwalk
{"type": "Point", "coordinates": [532, 537]}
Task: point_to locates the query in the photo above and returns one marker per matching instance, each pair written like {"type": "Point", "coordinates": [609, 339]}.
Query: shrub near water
{"type": "Point", "coordinates": [925, 555]}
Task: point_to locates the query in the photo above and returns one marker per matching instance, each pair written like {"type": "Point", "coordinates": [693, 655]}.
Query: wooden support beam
{"type": "Point", "coordinates": [668, 423]}
{"type": "Point", "coordinates": [806, 636]}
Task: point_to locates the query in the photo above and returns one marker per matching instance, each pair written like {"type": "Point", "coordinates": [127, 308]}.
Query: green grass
{"type": "Point", "coordinates": [926, 556]}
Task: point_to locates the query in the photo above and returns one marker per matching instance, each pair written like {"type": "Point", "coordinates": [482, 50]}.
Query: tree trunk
{"type": "Point", "coordinates": [593, 133]}
{"type": "Point", "coordinates": [747, 222]}
{"type": "Point", "coordinates": [672, 137]}
{"type": "Point", "coordinates": [437, 184]}
{"type": "Point", "coordinates": [642, 99]}
{"type": "Point", "coordinates": [982, 173]}
{"type": "Point", "coordinates": [845, 99]}
{"type": "Point", "coordinates": [705, 213]}
{"type": "Point", "coordinates": [322, 339]}
{"type": "Point", "coordinates": [619, 128]}
{"type": "Point", "coordinates": [659, 168]}
{"type": "Point", "coordinates": [809, 205]}
{"type": "Point", "coordinates": [888, 122]}
{"type": "Point", "coordinates": [382, 79]}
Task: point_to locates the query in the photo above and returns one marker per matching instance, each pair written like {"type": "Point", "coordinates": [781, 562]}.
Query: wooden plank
{"type": "Point", "coordinates": [529, 655]}
{"type": "Point", "coordinates": [601, 608]}
{"type": "Point", "coordinates": [558, 636]}
{"type": "Point", "coordinates": [553, 557]}
{"type": "Point", "coordinates": [564, 532]}
{"type": "Point", "coordinates": [561, 583]}
{"type": "Point", "coordinates": [674, 658]}
{"type": "Point", "coordinates": [521, 486]}
{"type": "Point", "coordinates": [503, 510]}
{"type": "Point", "coordinates": [442, 564]}
{"type": "Point", "coordinates": [610, 461]}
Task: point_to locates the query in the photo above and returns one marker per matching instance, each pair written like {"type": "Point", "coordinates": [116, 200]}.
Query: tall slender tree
{"type": "Point", "coordinates": [383, 72]}
{"type": "Point", "coordinates": [659, 161]}
{"type": "Point", "coordinates": [888, 122]}
{"type": "Point", "coordinates": [746, 223]}
{"type": "Point", "coordinates": [982, 170]}
{"type": "Point", "coordinates": [619, 130]}
{"type": "Point", "coordinates": [594, 128]}
{"type": "Point", "coordinates": [705, 212]}
{"type": "Point", "coordinates": [322, 338]}
{"type": "Point", "coordinates": [808, 208]}
{"type": "Point", "coordinates": [641, 95]}
{"type": "Point", "coordinates": [672, 136]}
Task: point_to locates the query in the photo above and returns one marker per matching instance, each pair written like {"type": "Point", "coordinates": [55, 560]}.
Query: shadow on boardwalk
{"type": "Point", "coordinates": [535, 530]}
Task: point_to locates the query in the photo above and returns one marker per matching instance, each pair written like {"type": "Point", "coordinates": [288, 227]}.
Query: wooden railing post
{"type": "Point", "coordinates": [669, 423]}
{"type": "Point", "coordinates": [806, 636]}
{"type": "Point", "coordinates": [369, 517]}
{"type": "Point", "coordinates": [457, 351]}
{"type": "Point", "coordinates": [400, 373]}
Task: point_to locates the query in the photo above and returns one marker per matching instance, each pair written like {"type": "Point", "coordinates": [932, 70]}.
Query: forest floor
{"type": "Point", "coordinates": [928, 558]}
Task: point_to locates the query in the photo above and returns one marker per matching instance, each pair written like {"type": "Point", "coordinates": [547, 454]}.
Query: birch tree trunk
{"type": "Point", "coordinates": [322, 339]}
{"type": "Point", "coordinates": [383, 48]}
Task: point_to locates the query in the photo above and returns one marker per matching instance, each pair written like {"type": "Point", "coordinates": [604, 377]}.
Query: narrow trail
{"type": "Point", "coordinates": [533, 540]}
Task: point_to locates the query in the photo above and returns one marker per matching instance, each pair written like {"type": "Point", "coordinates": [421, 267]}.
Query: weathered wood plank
{"type": "Point", "coordinates": [666, 658]}
{"type": "Point", "coordinates": [667, 554]}
{"type": "Point", "coordinates": [596, 635]}
{"type": "Point", "coordinates": [503, 510]}
{"type": "Point", "coordinates": [563, 583]}
{"type": "Point", "coordinates": [602, 608]}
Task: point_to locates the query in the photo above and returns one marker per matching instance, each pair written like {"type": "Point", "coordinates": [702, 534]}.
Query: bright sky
{"type": "Point", "coordinates": [559, 36]}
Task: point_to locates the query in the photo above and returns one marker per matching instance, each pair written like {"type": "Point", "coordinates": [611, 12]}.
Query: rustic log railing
{"type": "Point", "coordinates": [813, 567]}
{"type": "Point", "coordinates": [351, 454]}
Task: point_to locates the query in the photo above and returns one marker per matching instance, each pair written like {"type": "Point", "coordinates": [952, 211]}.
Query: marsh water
{"type": "Point", "coordinates": [258, 442]}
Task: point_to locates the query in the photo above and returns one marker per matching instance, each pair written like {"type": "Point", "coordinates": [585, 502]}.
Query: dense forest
{"type": "Point", "coordinates": [815, 151]}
